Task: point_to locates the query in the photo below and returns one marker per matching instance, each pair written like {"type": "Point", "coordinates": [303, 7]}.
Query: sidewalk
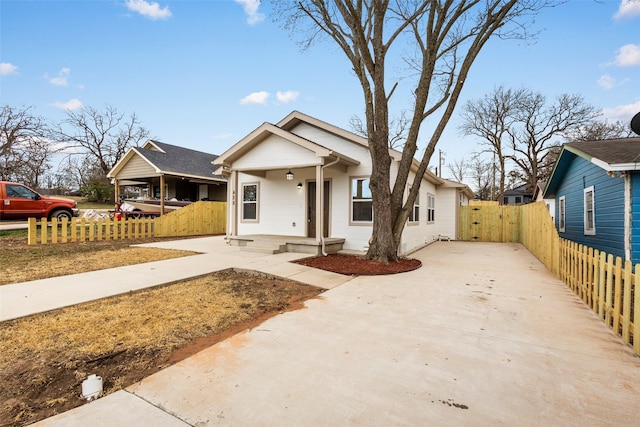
{"type": "Point", "coordinates": [480, 335]}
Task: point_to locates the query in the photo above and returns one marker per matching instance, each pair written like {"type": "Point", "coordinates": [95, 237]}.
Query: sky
{"type": "Point", "coordinates": [203, 74]}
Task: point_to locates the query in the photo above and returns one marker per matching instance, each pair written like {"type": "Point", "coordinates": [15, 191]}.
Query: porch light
{"type": "Point", "coordinates": [299, 186]}
{"type": "Point", "coordinates": [289, 176]}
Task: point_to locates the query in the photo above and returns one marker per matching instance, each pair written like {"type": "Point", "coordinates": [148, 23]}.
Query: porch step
{"type": "Point", "coordinates": [264, 248]}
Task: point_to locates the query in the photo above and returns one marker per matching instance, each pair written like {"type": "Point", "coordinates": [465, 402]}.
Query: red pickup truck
{"type": "Point", "coordinates": [18, 201]}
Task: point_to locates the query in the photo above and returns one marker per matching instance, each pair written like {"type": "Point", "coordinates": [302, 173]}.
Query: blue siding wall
{"type": "Point", "coordinates": [609, 206]}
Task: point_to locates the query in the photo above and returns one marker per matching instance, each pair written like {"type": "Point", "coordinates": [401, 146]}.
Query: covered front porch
{"type": "Point", "coordinates": [273, 244]}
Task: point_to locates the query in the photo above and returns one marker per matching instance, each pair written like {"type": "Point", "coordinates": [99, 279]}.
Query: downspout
{"type": "Point", "coordinates": [321, 188]}
{"type": "Point", "coordinates": [627, 216]}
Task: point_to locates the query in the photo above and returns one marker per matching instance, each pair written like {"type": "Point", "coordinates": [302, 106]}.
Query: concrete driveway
{"type": "Point", "coordinates": [482, 334]}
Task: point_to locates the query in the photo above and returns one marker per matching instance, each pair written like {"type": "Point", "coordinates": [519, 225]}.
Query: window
{"type": "Point", "coordinates": [18, 191]}
{"type": "Point", "coordinates": [249, 202]}
{"type": "Point", "coordinates": [414, 214]}
{"type": "Point", "coordinates": [361, 201]}
{"type": "Point", "coordinates": [518, 200]}
{"type": "Point", "coordinates": [589, 211]}
{"type": "Point", "coordinates": [561, 218]}
{"type": "Point", "coordinates": [431, 208]}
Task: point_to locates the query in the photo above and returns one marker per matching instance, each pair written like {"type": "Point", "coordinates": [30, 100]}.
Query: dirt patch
{"type": "Point", "coordinates": [123, 339]}
{"type": "Point", "coordinates": [358, 265]}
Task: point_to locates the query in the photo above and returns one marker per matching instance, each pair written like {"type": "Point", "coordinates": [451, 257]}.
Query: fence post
{"type": "Point", "coordinates": [32, 231]}
{"type": "Point", "coordinates": [617, 296]}
{"type": "Point", "coordinates": [636, 310]}
{"type": "Point", "coordinates": [626, 301]}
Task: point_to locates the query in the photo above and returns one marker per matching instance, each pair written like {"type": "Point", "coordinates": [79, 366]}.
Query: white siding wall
{"type": "Point", "coordinates": [417, 235]}
{"type": "Point", "coordinates": [275, 152]}
{"type": "Point", "coordinates": [446, 212]}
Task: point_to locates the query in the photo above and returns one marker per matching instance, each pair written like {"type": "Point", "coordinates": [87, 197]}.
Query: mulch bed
{"type": "Point", "coordinates": [354, 265]}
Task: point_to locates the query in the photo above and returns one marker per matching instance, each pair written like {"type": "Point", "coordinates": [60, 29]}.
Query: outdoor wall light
{"type": "Point", "coordinates": [299, 186]}
{"type": "Point", "coordinates": [289, 176]}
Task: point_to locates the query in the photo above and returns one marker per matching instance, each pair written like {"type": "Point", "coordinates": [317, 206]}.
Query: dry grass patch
{"type": "Point", "coordinates": [20, 262]}
{"type": "Point", "coordinates": [123, 339]}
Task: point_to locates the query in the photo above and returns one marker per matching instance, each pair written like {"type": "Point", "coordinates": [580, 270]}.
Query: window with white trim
{"type": "Point", "coordinates": [561, 216]}
{"type": "Point", "coordinates": [361, 201]}
{"type": "Point", "coordinates": [431, 208]}
{"type": "Point", "coordinates": [589, 211]}
{"type": "Point", "coordinates": [414, 214]}
{"type": "Point", "coordinates": [250, 202]}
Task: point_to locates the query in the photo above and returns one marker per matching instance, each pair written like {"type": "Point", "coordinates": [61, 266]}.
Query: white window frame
{"type": "Point", "coordinates": [589, 214]}
{"type": "Point", "coordinates": [245, 202]}
{"type": "Point", "coordinates": [562, 218]}
{"type": "Point", "coordinates": [352, 200]}
{"type": "Point", "coordinates": [414, 213]}
{"type": "Point", "coordinates": [431, 208]}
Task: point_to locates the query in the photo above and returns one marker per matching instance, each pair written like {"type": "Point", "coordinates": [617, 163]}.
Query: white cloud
{"type": "Point", "coordinates": [149, 10]}
{"type": "Point", "coordinates": [623, 113]}
{"type": "Point", "coordinates": [73, 104]}
{"type": "Point", "coordinates": [628, 9]}
{"type": "Point", "coordinates": [256, 98]}
{"type": "Point", "coordinates": [61, 79]}
{"type": "Point", "coordinates": [7, 69]}
{"type": "Point", "coordinates": [287, 97]}
{"type": "Point", "coordinates": [251, 9]}
{"type": "Point", "coordinates": [607, 82]}
{"type": "Point", "coordinates": [628, 55]}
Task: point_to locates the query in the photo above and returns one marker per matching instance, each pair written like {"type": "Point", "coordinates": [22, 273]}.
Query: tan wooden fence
{"type": "Point", "coordinates": [606, 284]}
{"type": "Point", "coordinates": [196, 219]}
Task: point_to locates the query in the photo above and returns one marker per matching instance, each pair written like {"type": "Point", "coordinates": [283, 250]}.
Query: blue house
{"type": "Point", "coordinates": [596, 187]}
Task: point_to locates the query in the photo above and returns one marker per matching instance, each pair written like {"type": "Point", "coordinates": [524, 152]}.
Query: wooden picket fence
{"type": "Point", "coordinates": [197, 219]}
{"type": "Point", "coordinates": [609, 286]}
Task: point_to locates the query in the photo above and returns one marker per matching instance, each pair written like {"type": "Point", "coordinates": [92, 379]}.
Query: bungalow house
{"type": "Point", "coordinates": [520, 195]}
{"type": "Point", "coordinates": [163, 171]}
{"type": "Point", "coordinates": [596, 186]}
{"type": "Point", "coordinates": [273, 175]}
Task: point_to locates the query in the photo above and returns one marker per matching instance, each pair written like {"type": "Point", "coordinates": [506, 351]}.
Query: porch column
{"type": "Point", "coordinates": [319, 203]}
{"type": "Point", "coordinates": [161, 194]}
{"type": "Point", "coordinates": [232, 200]}
{"type": "Point", "coordinates": [116, 190]}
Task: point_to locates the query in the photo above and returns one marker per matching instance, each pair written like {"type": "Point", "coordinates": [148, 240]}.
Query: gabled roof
{"type": "Point", "coordinates": [612, 155]}
{"type": "Point", "coordinates": [447, 183]}
{"type": "Point", "coordinates": [521, 190]}
{"type": "Point", "coordinates": [167, 159]}
{"type": "Point", "coordinates": [283, 130]}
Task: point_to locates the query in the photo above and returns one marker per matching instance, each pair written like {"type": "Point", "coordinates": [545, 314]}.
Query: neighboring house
{"type": "Point", "coordinates": [518, 196]}
{"type": "Point", "coordinates": [549, 202]}
{"type": "Point", "coordinates": [164, 171]}
{"type": "Point", "coordinates": [273, 175]}
{"type": "Point", "coordinates": [596, 186]}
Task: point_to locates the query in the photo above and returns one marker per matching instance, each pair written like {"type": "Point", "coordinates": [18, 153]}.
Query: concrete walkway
{"type": "Point", "coordinates": [23, 299]}
{"type": "Point", "coordinates": [480, 335]}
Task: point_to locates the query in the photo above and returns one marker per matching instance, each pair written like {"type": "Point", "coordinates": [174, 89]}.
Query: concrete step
{"type": "Point", "coordinates": [264, 248]}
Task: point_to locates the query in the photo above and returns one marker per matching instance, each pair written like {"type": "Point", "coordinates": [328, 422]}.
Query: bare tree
{"type": "Point", "coordinates": [446, 37]}
{"type": "Point", "coordinates": [600, 130]}
{"type": "Point", "coordinates": [104, 136]}
{"type": "Point", "coordinates": [540, 127]}
{"type": "Point", "coordinates": [481, 175]}
{"type": "Point", "coordinates": [25, 148]}
{"type": "Point", "coordinates": [490, 119]}
{"type": "Point", "coordinates": [459, 169]}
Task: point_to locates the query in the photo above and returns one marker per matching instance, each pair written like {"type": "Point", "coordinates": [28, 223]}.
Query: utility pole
{"type": "Point", "coordinates": [440, 159]}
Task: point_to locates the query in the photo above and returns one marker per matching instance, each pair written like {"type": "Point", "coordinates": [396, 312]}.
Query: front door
{"type": "Point", "coordinates": [312, 209]}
